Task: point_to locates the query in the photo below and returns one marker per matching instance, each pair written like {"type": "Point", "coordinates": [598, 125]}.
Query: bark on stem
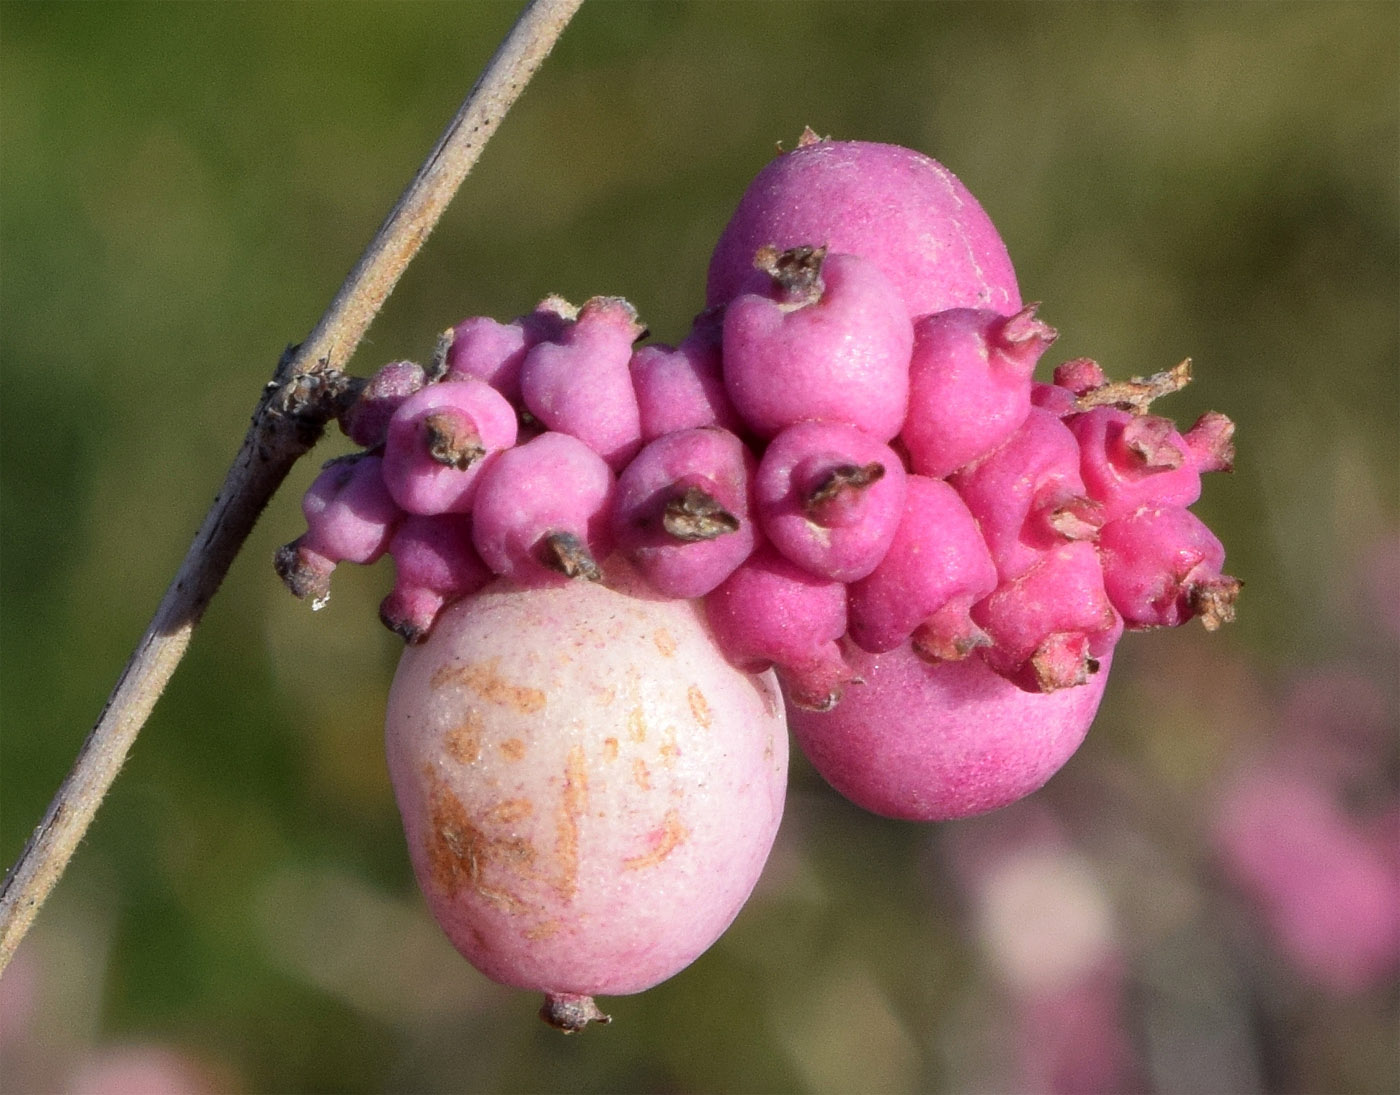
{"type": "Point", "coordinates": [293, 410]}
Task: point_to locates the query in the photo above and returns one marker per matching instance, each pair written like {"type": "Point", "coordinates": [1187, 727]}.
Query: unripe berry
{"type": "Point", "coordinates": [683, 513]}
{"type": "Point", "coordinates": [580, 384]}
{"type": "Point", "coordinates": [349, 518]}
{"type": "Point", "coordinates": [969, 384]}
{"type": "Point", "coordinates": [438, 442]}
{"type": "Point", "coordinates": [829, 497]}
{"type": "Point", "coordinates": [894, 206]}
{"type": "Point", "coordinates": [937, 567]}
{"type": "Point", "coordinates": [772, 612]}
{"type": "Point", "coordinates": [589, 791]}
{"type": "Point", "coordinates": [829, 341]}
{"type": "Point", "coordinates": [542, 510]}
{"type": "Point", "coordinates": [434, 564]}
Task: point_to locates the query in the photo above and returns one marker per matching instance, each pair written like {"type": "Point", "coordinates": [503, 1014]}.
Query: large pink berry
{"type": "Point", "coordinates": [894, 206]}
{"type": "Point", "coordinates": [541, 513]}
{"type": "Point", "coordinates": [829, 497]}
{"type": "Point", "coordinates": [929, 742]}
{"type": "Point", "coordinates": [438, 442]}
{"type": "Point", "coordinates": [589, 790]}
{"type": "Point", "coordinates": [580, 383]}
{"type": "Point", "coordinates": [829, 340]}
{"type": "Point", "coordinates": [936, 568]}
{"type": "Point", "coordinates": [1162, 566]}
{"type": "Point", "coordinates": [683, 512]}
{"type": "Point", "coordinates": [349, 518]}
{"type": "Point", "coordinates": [1028, 496]}
{"type": "Point", "coordinates": [969, 384]}
{"type": "Point", "coordinates": [434, 564]}
{"type": "Point", "coordinates": [772, 612]}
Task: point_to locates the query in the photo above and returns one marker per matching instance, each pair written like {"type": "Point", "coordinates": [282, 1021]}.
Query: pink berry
{"type": "Point", "coordinates": [366, 421]}
{"type": "Point", "coordinates": [580, 383]}
{"type": "Point", "coordinates": [681, 388]}
{"type": "Point", "coordinates": [434, 564]}
{"type": "Point", "coordinates": [683, 512]}
{"type": "Point", "coordinates": [930, 742]}
{"type": "Point", "coordinates": [969, 384]}
{"type": "Point", "coordinates": [1133, 460]}
{"type": "Point", "coordinates": [1028, 496]}
{"type": "Point", "coordinates": [349, 518]}
{"type": "Point", "coordinates": [1052, 626]}
{"type": "Point", "coordinates": [438, 442]}
{"type": "Point", "coordinates": [937, 567]}
{"type": "Point", "coordinates": [494, 352]}
{"type": "Point", "coordinates": [1162, 566]}
{"type": "Point", "coordinates": [772, 612]}
{"type": "Point", "coordinates": [589, 791]}
{"type": "Point", "coordinates": [829, 340]}
{"type": "Point", "coordinates": [542, 510]}
{"type": "Point", "coordinates": [899, 209]}
{"type": "Point", "coordinates": [829, 498]}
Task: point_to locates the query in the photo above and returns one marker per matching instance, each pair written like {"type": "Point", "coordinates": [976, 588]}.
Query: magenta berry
{"type": "Point", "coordinates": [434, 564]}
{"type": "Point", "coordinates": [829, 497]}
{"type": "Point", "coordinates": [969, 384]}
{"type": "Point", "coordinates": [894, 206]}
{"type": "Point", "coordinates": [1052, 626]}
{"type": "Point", "coordinates": [494, 352]}
{"type": "Point", "coordinates": [349, 518]}
{"type": "Point", "coordinates": [829, 340]}
{"type": "Point", "coordinates": [681, 388]}
{"type": "Point", "coordinates": [683, 513]}
{"type": "Point", "coordinates": [929, 742]}
{"type": "Point", "coordinates": [1162, 566]}
{"type": "Point", "coordinates": [1129, 461]}
{"type": "Point", "coordinates": [541, 513]}
{"type": "Point", "coordinates": [366, 421]}
{"type": "Point", "coordinates": [438, 442]}
{"type": "Point", "coordinates": [772, 612]}
{"type": "Point", "coordinates": [1028, 496]}
{"type": "Point", "coordinates": [580, 383]}
{"type": "Point", "coordinates": [937, 567]}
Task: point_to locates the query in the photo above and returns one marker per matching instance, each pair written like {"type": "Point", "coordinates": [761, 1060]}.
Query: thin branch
{"type": "Point", "coordinates": [294, 408]}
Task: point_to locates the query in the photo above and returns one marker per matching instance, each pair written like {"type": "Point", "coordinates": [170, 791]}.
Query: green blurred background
{"type": "Point", "coordinates": [182, 189]}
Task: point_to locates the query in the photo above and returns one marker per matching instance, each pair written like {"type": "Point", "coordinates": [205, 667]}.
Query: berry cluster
{"type": "Point", "coordinates": [846, 460]}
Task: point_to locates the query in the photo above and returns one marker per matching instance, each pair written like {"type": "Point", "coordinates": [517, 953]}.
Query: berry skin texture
{"type": "Point", "coordinates": [928, 742]}
{"type": "Point", "coordinates": [588, 789]}
{"type": "Point", "coordinates": [894, 206]}
{"type": "Point", "coordinates": [836, 348]}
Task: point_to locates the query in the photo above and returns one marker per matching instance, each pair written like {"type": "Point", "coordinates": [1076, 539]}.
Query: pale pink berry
{"type": "Point", "coordinates": [439, 440]}
{"type": "Point", "coordinates": [366, 421]}
{"type": "Point", "coordinates": [349, 518]}
{"type": "Point", "coordinates": [772, 612]}
{"type": "Point", "coordinates": [829, 340]}
{"type": "Point", "coordinates": [929, 742]}
{"type": "Point", "coordinates": [434, 564]}
{"type": "Point", "coordinates": [1028, 496]}
{"type": "Point", "coordinates": [542, 510]}
{"type": "Point", "coordinates": [683, 512]}
{"type": "Point", "coordinates": [894, 206]}
{"type": "Point", "coordinates": [681, 388]}
{"type": "Point", "coordinates": [580, 384]}
{"type": "Point", "coordinates": [1052, 626]}
{"type": "Point", "coordinates": [936, 568]}
{"type": "Point", "coordinates": [588, 789]}
{"type": "Point", "coordinates": [829, 497]}
{"type": "Point", "coordinates": [969, 384]}
{"type": "Point", "coordinates": [1162, 566]}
